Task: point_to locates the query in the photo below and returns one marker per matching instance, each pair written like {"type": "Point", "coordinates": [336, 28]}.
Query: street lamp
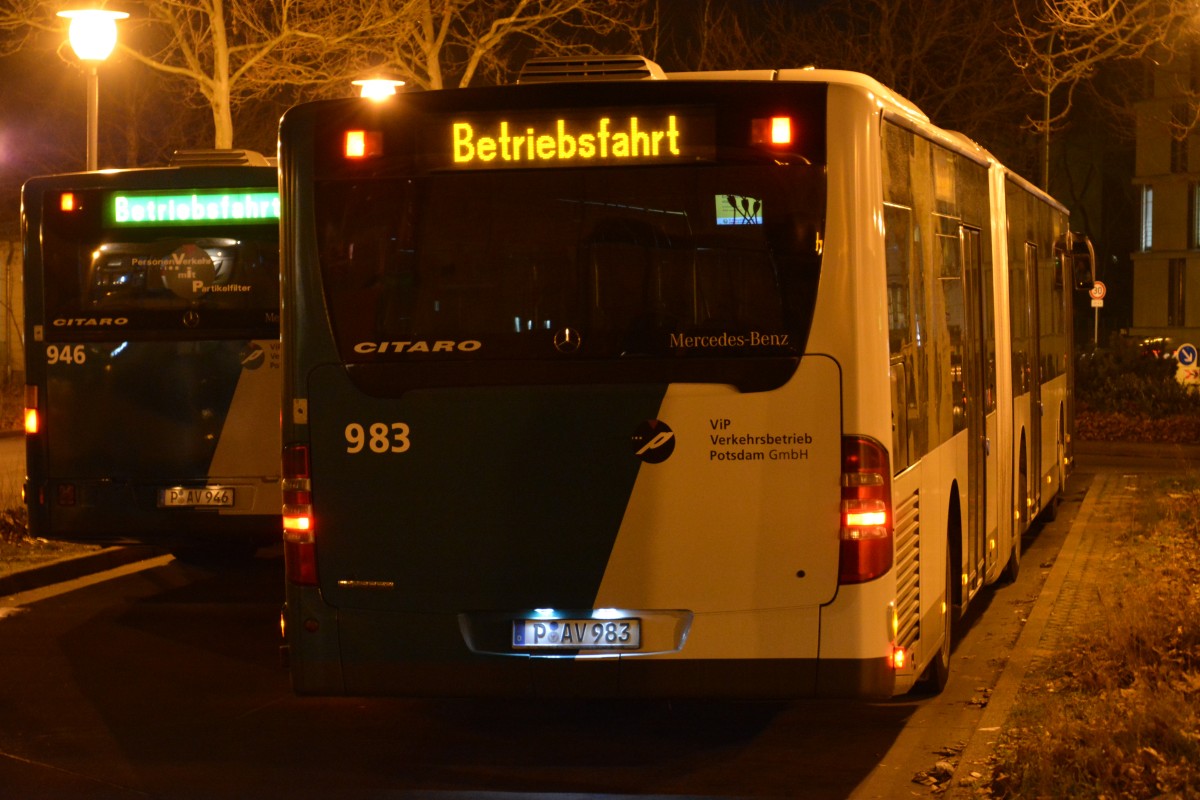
{"type": "Point", "coordinates": [378, 87]}
{"type": "Point", "coordinates": [93, 35]}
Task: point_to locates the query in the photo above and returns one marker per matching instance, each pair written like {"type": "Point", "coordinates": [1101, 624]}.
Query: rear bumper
{"type": "Point", "coordinates": [378, 653]}
{"type": "Point", "coordinates": [126, 512]}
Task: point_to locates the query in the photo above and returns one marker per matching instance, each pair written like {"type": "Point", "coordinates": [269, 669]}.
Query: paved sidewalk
{"type": "Point", "coordinates": [1062, 609]}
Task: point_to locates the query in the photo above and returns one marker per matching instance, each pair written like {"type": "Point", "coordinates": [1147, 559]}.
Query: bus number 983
{"type": "Point", "coordinates": [378, 437]}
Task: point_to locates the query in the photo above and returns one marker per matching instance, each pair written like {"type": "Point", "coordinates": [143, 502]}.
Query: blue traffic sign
{"type": "Point", "coordinates": [1186, 355]}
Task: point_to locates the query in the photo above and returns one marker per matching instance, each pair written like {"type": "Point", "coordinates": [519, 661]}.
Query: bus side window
{"type": "Point", "coordinates": [902, 335]}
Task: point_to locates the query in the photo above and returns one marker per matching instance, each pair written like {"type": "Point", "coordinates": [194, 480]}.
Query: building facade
{"type": "Point", "coordinates": [1166, 265]}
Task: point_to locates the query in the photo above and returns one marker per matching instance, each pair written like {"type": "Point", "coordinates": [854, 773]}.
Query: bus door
{"type": "Point", "coordinates": [975, 386]}
{"type": "Point", "coordinates": [1033, 481]}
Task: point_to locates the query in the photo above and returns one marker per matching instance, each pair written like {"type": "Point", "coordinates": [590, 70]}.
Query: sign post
{"type": "Point", "coordinates": [1097, 293]}
{"type": "Point", "coordinates": [1187, 370]}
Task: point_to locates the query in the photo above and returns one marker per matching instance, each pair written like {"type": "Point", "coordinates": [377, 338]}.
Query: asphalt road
{"type": "Point", "coordinates": [163, 680]}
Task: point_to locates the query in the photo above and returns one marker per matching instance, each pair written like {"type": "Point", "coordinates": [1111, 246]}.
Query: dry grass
{"type": "Point", "coordinates": [12, 406]}
{"type": "Point", "coordinates": [1117, 713]}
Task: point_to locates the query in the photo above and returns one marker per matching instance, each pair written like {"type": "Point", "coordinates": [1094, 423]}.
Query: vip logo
{"type": "Point", "coordinates": [253, 356]}
{"type": "Point", "coordinates": [653, 441]}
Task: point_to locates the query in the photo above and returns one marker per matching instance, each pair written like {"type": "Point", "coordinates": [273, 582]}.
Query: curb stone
{"type": "Point", "coordinates": [1055, 615]}
{"type": "Point", "coordinates": [71, 568]}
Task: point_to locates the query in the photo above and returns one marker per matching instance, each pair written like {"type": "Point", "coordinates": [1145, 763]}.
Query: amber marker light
{"type": "Point", "coordinates": [67, 202]}
{"type": "Point", "coordinates": [773, 131]}
{"type": "Point", "coordinates": [363, 144]}
{"type": "Point", "coordinates": [781, 130]}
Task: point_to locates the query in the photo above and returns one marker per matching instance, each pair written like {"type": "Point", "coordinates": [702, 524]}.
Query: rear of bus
{"type": "Point", "coordinates": [550, 423]}
{"type": "Point", "coordinates": [152, 363]}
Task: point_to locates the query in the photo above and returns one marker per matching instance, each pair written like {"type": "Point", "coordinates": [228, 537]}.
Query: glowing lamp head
{"type": "Point", "coordinates": [377, 88]}
{"type": "Point", "coordinates": [93, 32]}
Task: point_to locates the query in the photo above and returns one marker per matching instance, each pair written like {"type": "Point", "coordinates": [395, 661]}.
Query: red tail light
{"type": "Point", "coordinates": [866, 535]}
{"type": "Point", "coordinates": [299, 542]}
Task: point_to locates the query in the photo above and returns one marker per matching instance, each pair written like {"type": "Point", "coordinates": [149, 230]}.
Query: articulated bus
{"type": "Point", "coordinates": [622, 383]}
{"type": "Point", "coordinates": [152, 354]}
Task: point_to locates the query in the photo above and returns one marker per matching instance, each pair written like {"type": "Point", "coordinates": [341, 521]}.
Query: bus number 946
{"type": "Point", "coordinates": [378, 437]}
{"type": "Point", "coordinates": [65, 354]}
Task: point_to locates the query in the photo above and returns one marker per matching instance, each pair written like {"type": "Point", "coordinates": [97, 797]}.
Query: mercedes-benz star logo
{"type": "Point", "coordinates": [567, 340]}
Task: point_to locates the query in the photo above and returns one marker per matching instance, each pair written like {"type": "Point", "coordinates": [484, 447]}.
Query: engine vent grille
{"type": "Point", "coordinates": [590, 68]}
{"type": "Point", "coordinates": [219, 158]}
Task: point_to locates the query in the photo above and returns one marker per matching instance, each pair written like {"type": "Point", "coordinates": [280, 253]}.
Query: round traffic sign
{"type": "Point", "coordinates": [1098, 289]}
{"type": "Point", "coordinates": [1186, 355]}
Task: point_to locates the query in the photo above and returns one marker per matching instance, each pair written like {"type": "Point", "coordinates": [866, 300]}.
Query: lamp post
{"type": "Point", "coordinates": [93, 35]}
{"type": "Point", "coordinates": [378, 87]}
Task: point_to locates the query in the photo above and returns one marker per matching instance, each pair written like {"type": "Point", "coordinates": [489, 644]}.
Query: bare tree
{"type": "Point", "coordinates": [230, 52]}
{"type": "Point", "coordinates": [436, 44]}
{"type": "Point", "coordinates": [1061, 46]}
{"type": "Point", "coordinates": [225, 53]}
{"type": "Point", "coordinates": [719, 38]}
{"type": "Point", "coordinates": [22, 22]}
{"type": "Point", "coordinates": [948, 56]}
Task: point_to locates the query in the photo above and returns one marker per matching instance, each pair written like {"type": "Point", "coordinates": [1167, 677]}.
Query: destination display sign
{"type": "Point", "coordinates": [202, 206]}
{"type": "Point", "coordinates": [574, 139]}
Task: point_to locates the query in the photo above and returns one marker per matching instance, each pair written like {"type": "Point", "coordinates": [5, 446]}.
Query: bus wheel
{"type": "Point", "coordinates": [1050, 512]}
{"type": "Point", "coordinates": [933, 680]}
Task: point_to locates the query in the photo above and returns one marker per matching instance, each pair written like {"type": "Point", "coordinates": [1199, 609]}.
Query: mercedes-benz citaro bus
{"type": "Point", "coordinates": [615, 382]}
{"type": "Point", "coordinates": [152, 358]}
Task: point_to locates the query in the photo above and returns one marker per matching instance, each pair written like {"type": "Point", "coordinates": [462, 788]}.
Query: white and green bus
{"type": "Point", "coordinates": [617, 382]}
{"type": "Point", "coordinates": [152, 355]}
